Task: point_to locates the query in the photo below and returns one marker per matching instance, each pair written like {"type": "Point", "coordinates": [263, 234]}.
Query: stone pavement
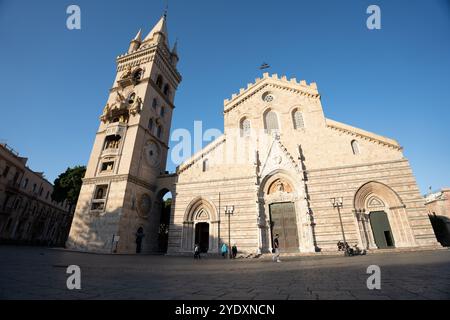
{"type": "Point", "coordinates": [40, 273]}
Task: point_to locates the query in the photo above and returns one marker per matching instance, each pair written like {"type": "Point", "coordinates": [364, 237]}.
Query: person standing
{"type": "Point", "coordinates": [139, 236]}
{"type": "Point", "coordinates": [234, 251]}
{"type": "Point", "coordinates": [196, 251]}
{"type": "Point", "coordinates": [276, 250]}
{"type": "Point", "coordinates": [224, 250]}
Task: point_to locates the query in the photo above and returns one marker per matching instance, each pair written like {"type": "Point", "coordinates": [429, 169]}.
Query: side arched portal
{"type": "Point", "coordinates": [382, 217]}
{"type": "Point", "coordinates": [201, 225]}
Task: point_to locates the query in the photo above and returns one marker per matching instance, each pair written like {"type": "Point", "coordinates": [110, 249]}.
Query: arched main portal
{"type": "Point", "coordinates": [382, 217]}
{"type": "Point", "coordinates": [200, 226]}
{"type": "Point", "coordinates": [284, 211]}
{"type": "Point", "coordinates": [284, 224]}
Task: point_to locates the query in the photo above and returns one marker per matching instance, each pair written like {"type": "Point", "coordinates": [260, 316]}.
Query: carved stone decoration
{"type": "Point", "coordinates": [136, 106]}
{"type": "Point", "coordinates": [375, 202]}
{"type": "Point", "coordinates": [144, 206]}
{"type": "Point", "coordinates": [277, 159]}
{"type": "Point", "coordinates": [121, 106]}
{"type": "Point", "coordinates": [120, 98]}
{"type": "Point", "coordinates": [280, 185]}
{"type": "Point", "coordinates": [106, 113]}
{"type": "Point", "coordinates": [127, 73]}
{"type": "Point", "coordinates": [202, 215]}
{"type": "Point", "coordinates": [128, 77]}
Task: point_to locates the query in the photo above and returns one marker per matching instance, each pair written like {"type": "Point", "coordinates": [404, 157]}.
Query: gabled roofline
{"type": "Point", "coordinates": [335, 125]}
{"type": "Point", "coordinates": [200, 154]}
{"type": "Point", "coordinates": [271, 80]}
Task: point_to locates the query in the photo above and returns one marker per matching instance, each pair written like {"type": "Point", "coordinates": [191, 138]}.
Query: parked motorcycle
{"type": "Point", "coordinates": [350, 251]}
{"type": "Point", "coordinates": [356, 251]}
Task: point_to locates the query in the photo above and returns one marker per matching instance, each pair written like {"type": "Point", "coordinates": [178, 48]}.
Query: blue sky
{"type": "Point", "coordinates": [394, 81]}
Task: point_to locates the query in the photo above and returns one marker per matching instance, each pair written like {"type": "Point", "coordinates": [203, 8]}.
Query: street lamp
{"type": "Point", "coordinates": [229, 210]}
{"type": "Point", "coordinates": [339, 203]}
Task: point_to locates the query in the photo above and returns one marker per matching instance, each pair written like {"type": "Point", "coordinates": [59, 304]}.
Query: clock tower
{"type": "Point", "coordinates": [130, 150]}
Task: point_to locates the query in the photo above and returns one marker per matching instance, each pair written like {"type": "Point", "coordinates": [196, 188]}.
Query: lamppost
{"type": "Point", "coordinates": [229, 210]}
{"type": "Point", "coordinates": [339, 203]}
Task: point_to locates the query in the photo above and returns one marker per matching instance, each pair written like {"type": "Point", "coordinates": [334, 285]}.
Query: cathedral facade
{"type": "Point", "coordinates": [280, 167]}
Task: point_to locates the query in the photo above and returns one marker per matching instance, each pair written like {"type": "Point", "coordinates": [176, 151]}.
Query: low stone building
{"type": "Point", "coordinates": [27, 213]}
{"type": "Point", "coordinates": [280, 167]}
{"type": "Point", "coordinates": [438, 206]}
{"type": "Point", "coordinates": [438, 203]}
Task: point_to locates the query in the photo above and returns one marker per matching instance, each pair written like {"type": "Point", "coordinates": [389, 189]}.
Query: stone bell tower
{"type": "Point", "coordinates": [130, 149]}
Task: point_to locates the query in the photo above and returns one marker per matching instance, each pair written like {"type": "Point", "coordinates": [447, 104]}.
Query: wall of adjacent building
{"type": "Point", "coordinates": [27, 213]}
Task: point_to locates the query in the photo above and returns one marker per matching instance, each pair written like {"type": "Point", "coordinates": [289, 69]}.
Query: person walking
{"type": "Point", "coordinates": [197, 251]}
{"type": "Point", "coordinates": [234, 251]}
{"type": "Point", "coordinates": [139, 236]}
{"type": "Point", "coordinates": [276, 250]}
{"type": "Point", "coordinates": [224, 250]}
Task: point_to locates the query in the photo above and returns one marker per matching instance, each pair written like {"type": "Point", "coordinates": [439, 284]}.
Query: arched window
{"type": "Point", "coordinates": [137, 75]}
{"type": "Point", "coordinates": [17, 204]}
{"type": "Point", "coordinates": [159, 132]}
{"type": "Point", "coordinates": [131, 98]}
{"type": "Point", "coordinates": [166, 90]}
{"type": "Point", "coordinates": [154, 103]}
{"type": "Point", "coordinates": [355, 147]}
{"type": "Point", "coordinates": [162, 112]}
{"type": "Point", "coordinates": [271, 122]}
{"type": "Point", "coordinates": [245, 127]}
{"type": "Point", "coordinates": [297, 118]}
{"type": "Point", "coordinates": [159, 82]}
{"type": "Point", "coordinates": [150, 125]}
{"type": "Point", "coordinates": [99, 194]}
{"type": "Point", "coordinates": [25, 183]}
{"type": "Point", "coordinates": [205, 165]}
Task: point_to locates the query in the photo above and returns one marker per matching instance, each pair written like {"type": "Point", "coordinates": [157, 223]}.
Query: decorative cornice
{"type": "Point", "coordinates": [366, 164]}
{"type": "Point", "coordinates": [119, 178]}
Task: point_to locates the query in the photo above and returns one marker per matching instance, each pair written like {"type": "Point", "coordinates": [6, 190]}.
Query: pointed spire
{"type": "Point", "coordinates": [166, 9]}
{"type": "Point", "coordinates": [174, 54]}
{"type": "Point", "coordinates": [136, 42]}
{"type": "Point", "coordinates": [138, 36]}
{"type": "Point", "coordinates": [160, 27]}
{"type": "Point", "coordinates": [175, 48]}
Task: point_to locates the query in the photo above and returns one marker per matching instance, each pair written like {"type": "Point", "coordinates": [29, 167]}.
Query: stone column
{"type": "Point", "coordinates": [362, 229]}
{"type": "Point", "coordinates": [368, 228]}
{"type": "Point", "coordinates": [305, 225]}
{"type": "Point", "coordinates": [260, 234]}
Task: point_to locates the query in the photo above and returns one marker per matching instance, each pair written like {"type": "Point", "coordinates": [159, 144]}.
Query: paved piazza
{"type": "Point", "coordinates": [40, 273]}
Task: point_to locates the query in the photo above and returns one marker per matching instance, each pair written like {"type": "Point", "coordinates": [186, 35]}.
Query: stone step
{"type": "Point", "coordinates": [340, 253]}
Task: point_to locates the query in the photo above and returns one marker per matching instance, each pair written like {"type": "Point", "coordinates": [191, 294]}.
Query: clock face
{"type": "Point", "coordinates": [152, 153]}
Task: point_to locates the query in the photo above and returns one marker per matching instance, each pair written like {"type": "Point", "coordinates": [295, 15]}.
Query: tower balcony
{"type": "Point", "coordinates": [116, 129]}
{"type": "Point", "coordinates": [110, 152]}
